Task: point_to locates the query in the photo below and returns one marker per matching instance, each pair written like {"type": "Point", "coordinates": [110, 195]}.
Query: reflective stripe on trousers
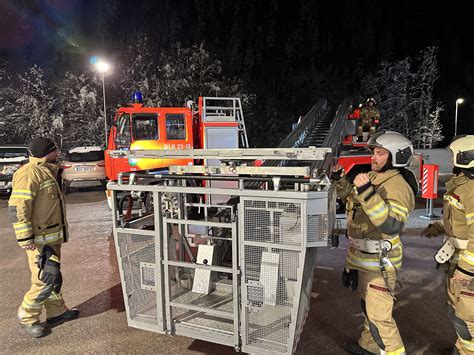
{"type": "Point", "coordinates": [39, 295]}
{"type": "Point", "coordinates": [380, 335]}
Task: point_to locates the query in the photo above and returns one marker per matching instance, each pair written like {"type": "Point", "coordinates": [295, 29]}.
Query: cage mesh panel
{"type": "Point", "coordinates": [133, 250]}
{"type": "Point", "coordinates": [220, 298]}
{"type": "Point", "coordinates": [267, 326]}
{"type": "Point", "coordinates": [317, 227]}
{"type": "Point", "coordinates": [273, 222]}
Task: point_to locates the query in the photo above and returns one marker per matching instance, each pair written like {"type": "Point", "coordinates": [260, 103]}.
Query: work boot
{"type": "Point", "coordinates": [356, 349]}
{"type": "Point", "coordinates": [35, 330]}
{"type": "Point", "coordinates": [70, 314]}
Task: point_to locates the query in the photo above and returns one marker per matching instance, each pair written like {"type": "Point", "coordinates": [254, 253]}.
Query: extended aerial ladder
{"type": "Point", "coordinates": [237, 272]}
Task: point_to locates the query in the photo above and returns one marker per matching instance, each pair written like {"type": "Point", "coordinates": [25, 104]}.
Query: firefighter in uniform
{"type": "Point", "coordinates": [37, 210]}
{"type": "Point", "coordinates": [369, 118]}
{"type": "Point", "coordinates": [377, 204]}
{"type": "Point", "coordinates": [457, 252]}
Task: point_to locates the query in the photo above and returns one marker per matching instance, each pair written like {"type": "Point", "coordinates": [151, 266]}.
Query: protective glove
{"type": "Point", "coordinates": [49, 267]}
{"type": "Point", "coordinates": [433, 230]}
{"type": "Point", "coordinates": [350, 278]}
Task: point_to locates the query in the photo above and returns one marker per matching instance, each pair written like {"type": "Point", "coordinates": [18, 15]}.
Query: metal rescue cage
{"type": "Point", "coordinates": [237, 273]}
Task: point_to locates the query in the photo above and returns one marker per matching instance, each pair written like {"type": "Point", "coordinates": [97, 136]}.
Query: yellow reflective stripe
{"type": "Point", "coordinates": [54, 258]}
{"type": "Point", "coordinates": [23, 195]}
{"type": "Point", "coordinates": [468, 257]}
{"type": "Point", "coordinates": [52, 237]}
{"type": "Point", "coordinates": [23, 234]}
{"type": "Point", "coordinates": [54, 296]}
{"type": "Point", "coordinates": [46, 184]}
{"type": "Point", "coordinates": [373, 263]}
{"type": "Point", "coordinates": [400, 351]}
{"type": "Point", "coordinates": [400, 207]}
{"type": "Point", "coordinates": [469, 218]}
{"type": "Point", "coordinates": [466, 343]}
{"type": "Point", "coordinates": [24, 191]}
{"type": "Point", "coordinates": [379, 210]}
{"type": "Point", "coordinates": [31, 305]}
{"type": "Point", "coordinates": [22, 226]}
{"type": "Point", "coordinates": [400, 210]}
{"type": "Point", "coordinates": [454, 202]}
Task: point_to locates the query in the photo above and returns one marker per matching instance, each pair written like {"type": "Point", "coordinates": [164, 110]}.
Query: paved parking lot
{"type": "Point", "coordinates": [92, 284]}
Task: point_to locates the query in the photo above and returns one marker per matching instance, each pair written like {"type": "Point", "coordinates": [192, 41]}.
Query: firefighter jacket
{"type": "Point", "coordinates": [369, 114]}
{"type": "Point", "coordinates": [376, 211]}
{"type": "Point", "coordinates": [458, 220]}
{"type": "Point", "coordinates": [38, 204]}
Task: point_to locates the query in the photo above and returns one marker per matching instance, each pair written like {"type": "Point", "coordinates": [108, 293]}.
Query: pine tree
{"type": "Point", "coordinates": [139, 70]}
{"type": "Point", "coordinates": [80, 111]}
{"type": "Point", "coordinates": [34, 103]}
{"type": "Point", "coordinates": [404, 90]}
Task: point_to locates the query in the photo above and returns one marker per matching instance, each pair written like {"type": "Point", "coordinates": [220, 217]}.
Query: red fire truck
{"type": "Point", "coordinates": [214, 123]}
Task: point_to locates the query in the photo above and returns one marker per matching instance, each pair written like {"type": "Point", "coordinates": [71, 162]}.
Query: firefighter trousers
{"type": "Point", "coordinates": [460, 310]}
{"type": "Point", "coordinates": [39, 295]}
{"type": "Point", "coordinates": [380, 333]}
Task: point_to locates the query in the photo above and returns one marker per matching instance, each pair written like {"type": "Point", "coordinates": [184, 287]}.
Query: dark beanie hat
{"type": "Point", "coordinates": [40, 147]}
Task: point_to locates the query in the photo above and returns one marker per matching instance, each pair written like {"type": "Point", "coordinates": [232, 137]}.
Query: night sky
{"type": "Point", "coordinates": [291, 51]}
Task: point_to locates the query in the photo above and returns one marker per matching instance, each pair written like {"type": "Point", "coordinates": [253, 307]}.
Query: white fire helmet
{"type": "Point", "coordinates": [400, 147]}
{"type": "Point", "coordinates": [371, 99]}
{"type": "Point", "coordinates": [463, 151]}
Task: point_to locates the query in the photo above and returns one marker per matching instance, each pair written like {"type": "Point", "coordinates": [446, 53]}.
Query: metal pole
{"type": "Point", "coordinates": [105, 110]}
{"type": "Point", "coordinates": [456, 120]}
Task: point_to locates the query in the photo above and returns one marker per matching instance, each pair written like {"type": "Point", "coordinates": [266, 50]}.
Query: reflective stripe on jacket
{"type": "Point", "coordinates": [38, 203]}
{"type": "Point", "coordinates": [379, 212]}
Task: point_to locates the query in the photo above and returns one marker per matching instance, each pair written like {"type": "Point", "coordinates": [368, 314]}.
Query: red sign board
{"type": "Point", "coordinates": [429, 181]}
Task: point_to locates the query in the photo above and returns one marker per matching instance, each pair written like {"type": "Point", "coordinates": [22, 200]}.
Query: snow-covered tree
{"type": "Point", "coordinates": [79, 111]}
{"type": "Point", "coordinates": [404, 90]}
{"type": "Point", "coordinates": [138, 70]}
{"type": "Point", "coordinates": [5, 105]}
{"type": "Point", "coordinates": [34, 100]}
{"type": "Point", "coordinates": [390, 87]}
{"type": "Point", "coordinates": [187, 72]}
{"type": "Point", "coordinates": [429, 133]}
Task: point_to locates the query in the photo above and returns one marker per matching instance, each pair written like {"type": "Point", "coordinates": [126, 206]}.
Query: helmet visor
{"type": "Point", "coordinates": [465, 158]}
{"type": "Point", "coordinates": [403, 155]}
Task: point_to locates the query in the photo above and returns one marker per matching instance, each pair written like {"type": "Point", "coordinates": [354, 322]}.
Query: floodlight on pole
{"type": "Point", "coordinates": [102, 68]}
{"type": "Point", "coordinates": [458, 102]}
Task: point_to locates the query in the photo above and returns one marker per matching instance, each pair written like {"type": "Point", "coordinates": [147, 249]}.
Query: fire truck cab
{"type": "Point", "coordinates": [216, 123]}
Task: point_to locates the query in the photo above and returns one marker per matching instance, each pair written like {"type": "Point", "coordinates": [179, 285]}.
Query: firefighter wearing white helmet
{"type": "Point", "coordinates": [377, 205]}
{"type": "Point", "coordinates": [457, 252]}
{"type": "Point", "coordinates": [369, 119]}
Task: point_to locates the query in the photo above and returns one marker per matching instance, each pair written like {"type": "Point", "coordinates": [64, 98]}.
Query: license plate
{"type": "Point", "coordinates": [84, 168]}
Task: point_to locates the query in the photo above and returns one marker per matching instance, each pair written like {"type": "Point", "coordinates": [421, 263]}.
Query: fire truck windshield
{"type": "Point", "coordinates": [145, 126]}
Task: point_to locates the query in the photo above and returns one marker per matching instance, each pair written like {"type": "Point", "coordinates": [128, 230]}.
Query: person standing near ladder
{"type": "Point", "coordinates": [377, 204]}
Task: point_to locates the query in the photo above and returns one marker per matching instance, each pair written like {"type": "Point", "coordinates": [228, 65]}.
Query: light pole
{"type": "Point", "coordinates": [103, 67]}
{"type": "Point", "coordinates": [458, 102]}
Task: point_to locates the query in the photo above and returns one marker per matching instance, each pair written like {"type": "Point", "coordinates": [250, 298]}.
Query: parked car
{"type": "Point", "coordinates": [83, 164]}
{"type": "Point", "coordinates": [12, 157]}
